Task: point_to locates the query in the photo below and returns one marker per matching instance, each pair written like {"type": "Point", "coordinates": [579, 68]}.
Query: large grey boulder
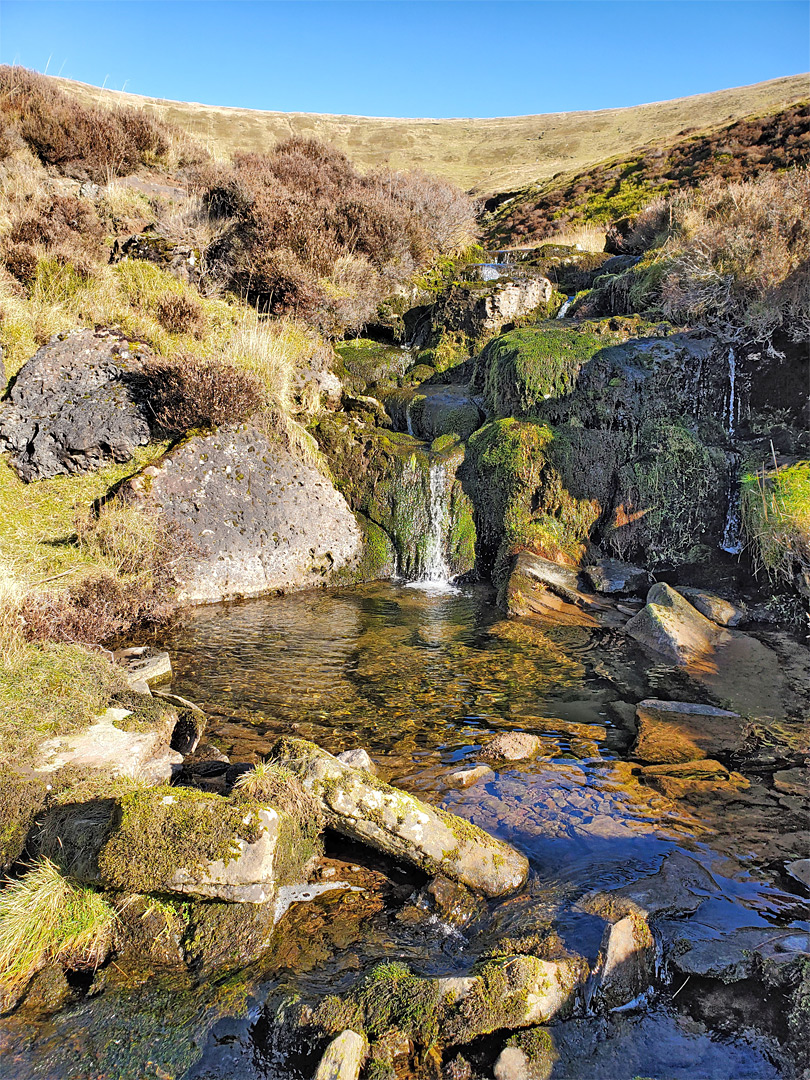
{"type": "Point", "coordinates": [618, 578]}
{"type": "Point", "coordinates": [366, 809]}
{"type": "Point", "coordinates": [75, 406]}
{"type": "Point", "coordinates": [671, 626]}
{"type": "Point", "coordinates": [261, 520]}
{"type": "Point", "coordinates": [179, 840]}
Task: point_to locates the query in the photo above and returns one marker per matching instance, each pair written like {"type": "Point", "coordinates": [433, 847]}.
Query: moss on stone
{"type": "Point", "coordinates": [23, 796]}
{"type": "Point", "coordinates": [522, 368]}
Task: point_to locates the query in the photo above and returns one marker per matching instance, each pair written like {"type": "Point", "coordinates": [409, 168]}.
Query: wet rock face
{"type": "Point", "coordinates": [260, 519]}
{"type": "Point", "coordinates": [74, 407]}
{"type": "Point", "coordinates": [626, 963]}
{"type": "Point", "coordinates": [618, 578]}
{"type": "Point", "coordinates": [392, 821]}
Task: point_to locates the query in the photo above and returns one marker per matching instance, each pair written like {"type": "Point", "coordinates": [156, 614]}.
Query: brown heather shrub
{"type": "Point", "coordinates": [20, 260]}
{"type": "Point", "coordinates": [81, 142]}
{"type": "Point", "coordinates": [303, 233]}
{"type": "Point", "coordinates": [189, 393]}
{"type": "Point", "coordinates": [181, 313]}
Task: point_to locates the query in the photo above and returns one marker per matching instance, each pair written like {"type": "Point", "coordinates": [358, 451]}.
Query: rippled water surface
{"type": "Point", "coordinates": [421, 679]}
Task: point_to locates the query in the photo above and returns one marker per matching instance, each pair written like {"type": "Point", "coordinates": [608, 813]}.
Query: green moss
{"type": "Point", "coordinates": [179, 828]}
{"type": "Point", "coordinates": [23, 796]}
{"type": "Point", "coordinates": [537, 1044]}
{"type": "Point", "coordinates": [521, 369]}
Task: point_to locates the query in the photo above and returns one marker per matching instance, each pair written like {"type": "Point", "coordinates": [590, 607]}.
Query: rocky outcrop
{"type": "Point", "coordinates": [177, 840]}
{"type": "Point", "coordinates": [181, 260]}
{"type": "Point", "coordinates": [261, 520]}
{"type": "Point", "coordinates": [75, 406]}
{"type": "Point", "coordinates": [117, 743]}
{"type": "Point", "coordinates": [365, 809]}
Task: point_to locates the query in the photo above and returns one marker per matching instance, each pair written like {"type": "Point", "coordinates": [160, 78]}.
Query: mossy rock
{"type": "Point", "coordinates": [521, 369]}
{"type": "Point", "coordinates": [23, 796]}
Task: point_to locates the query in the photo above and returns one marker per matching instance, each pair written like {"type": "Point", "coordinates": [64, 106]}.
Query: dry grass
{"type": "Point", "coordinates": [485, 155]}
{"type": "Point", "coordinates": [44, 917]}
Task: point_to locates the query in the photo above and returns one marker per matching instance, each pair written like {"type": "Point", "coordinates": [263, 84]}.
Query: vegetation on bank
{"type": "Point", "coordinates": [775, 510]}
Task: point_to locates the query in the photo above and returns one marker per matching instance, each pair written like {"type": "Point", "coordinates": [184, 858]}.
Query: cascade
{"type": "Point", "coordinates": [433, 570]}
{"type": "Point", "coordinates": [566, 305]}
{"type": "Point", "coordinates": [732, 540]}
{"type": "Point", "coordinates": [732, 383]}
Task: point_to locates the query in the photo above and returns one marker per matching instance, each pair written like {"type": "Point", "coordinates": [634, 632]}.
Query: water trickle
{"type": "Point", "coordinates": [732, 393]}
{"type": "Point", "coordinates": [732, 538]}
{"type": "Point", "coordinates": [408, 418]}
{"type": "Point", "coordinates": [566, 305]}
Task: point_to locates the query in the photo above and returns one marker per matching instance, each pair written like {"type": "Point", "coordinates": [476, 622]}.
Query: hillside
{"type": "Point", "coordinates": [483, 155]}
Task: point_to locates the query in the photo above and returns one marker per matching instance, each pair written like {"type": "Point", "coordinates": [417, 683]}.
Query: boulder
{"type": "Point", "coordinates": [720, 611]}
{"type": "Point", "coordinates": [430, 411]}
{"type": "Point", "coordinates": [618, 578]}
{"type": "Point", "coordinates": [680, 731]}
{"type": "Point", "coordinates": [537, 587]}
{"type": "Point", "coordinates": [343, 1057]}
{"type": "Point", "coordinates": [178, 840]}
{"type": "Point", "coordinates": [463, 778]}
{"type": "Point", "coordinates": [117, 743]}
{"type": "Point", "coordinates": [625, 965]}
{"type": "Point", "coordinates": [363, 808]}
{"type": "Point", "coordinates": [799, 870]}
{"type": "Point", "coordinates": [181, 260]}
{"type": "Point", "coordinates": [75, 406]}
{"type": "Point", "coordinates": [512, 1064]}
{"type": "Point", "coordinates": [512, 746]}
{"type": "Point", "coordinates": [261, 520]}
{"type": "Point", "coordinates": [670, 626]}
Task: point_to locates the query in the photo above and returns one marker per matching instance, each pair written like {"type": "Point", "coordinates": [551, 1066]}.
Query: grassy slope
{"type": "Point", "coordinates": [485, 155]}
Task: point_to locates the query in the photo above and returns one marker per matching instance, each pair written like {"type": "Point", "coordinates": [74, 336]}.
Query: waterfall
{"type": "Point", "coordinates": [433, 569]}
{"type": "Point", "coordinates": [489, 272]}
{"type": "Point", "coordinates": [566, 305]}
{"type": "Point", "coordinates": [732, 540]}
{"type": "Point", "coordinates": [408, 420]}
{"type": "Point", "coordinates": [732, 393]}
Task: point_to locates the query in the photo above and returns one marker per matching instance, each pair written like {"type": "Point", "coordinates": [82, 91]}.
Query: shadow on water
{"type": "Point", "coordinates": [421, 680]}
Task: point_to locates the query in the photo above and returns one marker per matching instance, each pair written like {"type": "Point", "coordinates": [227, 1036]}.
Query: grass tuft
{"type": "Point", "coordinates": [45, 917]}
{"type": "Point", "coordinates": [775, 510]}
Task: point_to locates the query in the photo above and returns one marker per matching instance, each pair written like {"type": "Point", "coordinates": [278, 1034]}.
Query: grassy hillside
{"type": "Point", "coordinates": [484, 155]}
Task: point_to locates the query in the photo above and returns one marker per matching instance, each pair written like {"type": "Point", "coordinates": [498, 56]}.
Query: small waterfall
{"type": "Point", "coordinates": [489, 272]}
{"type": "Point", "coordinates": [434, 571]}
{"type": "Point", "coordinates": [408, 419]}
{"type": "Point", "coordinates": [566, 305]}
{"type": "Point", "coordinates": [732, 392]}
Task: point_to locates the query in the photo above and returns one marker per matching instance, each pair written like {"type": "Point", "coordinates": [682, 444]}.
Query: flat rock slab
{"type": "Point", "coordinates": [261, 520]}
{"type": "Point", "coordinates": [106, 746]}
{"type": "Point", "coordinates": [512, 746]}
{"type": "Point", "coordinates": [343, 1058]}
{"type": "Point", "coordinates": [463, 778]}
{"type": "Point", "coordinates": [75, 405]}
{"type": "Point", "coordinates": [537, 587]}
{"type": "Point", "coordinates": [679, 888]}
{"type": "Point", "coordinates": [365, 809]}
{"type": "Point", "coordinates": [720, 611]}
{"type": "Point", "coordinates": [679, 731]}
{"type": "Point", "coordinates": [692, 949]}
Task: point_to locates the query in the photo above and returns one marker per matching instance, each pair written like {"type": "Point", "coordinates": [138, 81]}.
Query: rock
{"type": "Point", "coordinates": [512, 1064]}
{"type": "Point", "coordinates": [178, 841]}
{"type": "Point", "coordinates": [537, 587]}
{"type": "Point", "coordinates": [512, 746]}
{"type": "Point", "coordinates": [626, 963]}
{"type": "Point", "coordinates": [261, 520]}
{"type": "Point", "coordinates": [477, 311]}
{"type": "Point", "coordinates": [673, 628]}
{"type": "Point", "coordinates": [679, 888]}
{"type": "Point", "coordinates": [182, 260]}
{"type": "Point", "coordinates": [720, 611]}
{"type": "Point", "coordinates": [365, 809]}
{"type": "Point", "coordinates": [451, 901]}
{"type": "Point", "coordinates": [692, 949]}
{"type": "Point", "coordinates": [75, 406]}
{"type": "Point", "coordinates": [343, 1058]}
{"type": "Point", "coordinates": [357, 759]}
{"type": "Point", "coordinates": [430, 411]}
{"type": "Point", "coordinates": [793, 782]}
{"type": "Point", "coordinates": [692, 780]}
{"type": "Point", "coordinates": [799, 870]}
{"type": "Point", "coordinates": [465, 777]}
{"type": "Point", "coordinates": [618, 578]}
{"type": "Point", "coordinates": [107, 746]}
{"type": "Point", "coordinates": [151, 668]}
{"type": "Point", "coordinates": [511, 992]}
{"type": "Point", "coordinates": [680, 731]}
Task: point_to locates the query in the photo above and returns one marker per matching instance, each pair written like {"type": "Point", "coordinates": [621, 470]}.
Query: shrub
{"type": "Point", "coordinates": [180, 313]}
{"type": "Point", "coordinates": [187, 393]}
{"type": "Point", "coordinates": [87, 143]}
{"type": "Point", "coordinates": [303, 233]}
{"type": "Point", "coordinates": [46, 917]}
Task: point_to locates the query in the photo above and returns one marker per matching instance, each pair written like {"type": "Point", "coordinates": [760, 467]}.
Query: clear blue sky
{"type": "Point", "coordinates": [411, 58]}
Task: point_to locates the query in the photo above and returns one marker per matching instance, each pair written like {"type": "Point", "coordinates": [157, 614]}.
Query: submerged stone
{"type": "Point", "coordinates": [465, 777]}
{"type": "Point", "coordinates": [512, 746]}
{"type": "Point", "coordinates": [365, 809]}
{"type": "Point", "coordinates": [681, 731]}
{"type": "Point", "coordinates": [679, 888]}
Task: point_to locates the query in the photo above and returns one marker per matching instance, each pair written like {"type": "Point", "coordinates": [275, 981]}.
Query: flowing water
{"type": "Point", "coordinates": [421, 679]}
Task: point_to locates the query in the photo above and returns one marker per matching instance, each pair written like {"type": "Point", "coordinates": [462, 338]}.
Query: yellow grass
{"type": "Point", "coordinates": [485, 155]}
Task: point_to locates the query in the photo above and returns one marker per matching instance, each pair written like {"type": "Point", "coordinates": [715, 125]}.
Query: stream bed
{"type": "Point", "coordinates": [422, 678]}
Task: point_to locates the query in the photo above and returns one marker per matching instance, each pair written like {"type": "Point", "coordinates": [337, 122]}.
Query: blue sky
{"type": "Point", "coordinates": [411, 58]}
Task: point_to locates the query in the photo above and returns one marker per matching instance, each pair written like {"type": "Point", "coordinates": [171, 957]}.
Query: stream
{"type": "Point", "coordinates": [421, 678]}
